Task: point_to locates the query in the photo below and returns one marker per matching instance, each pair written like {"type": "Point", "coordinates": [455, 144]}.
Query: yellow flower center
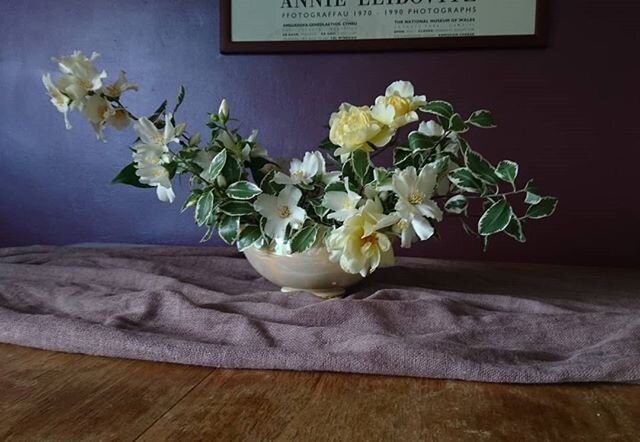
{"type": "Point", "coordinates": [284, 212]}
{"type": "Point", "coordinates": [347, 204]}
{"type": "Point", "coordinates": [416, 197]}
{"type": "Point", "coordinates": [371, 240]}
{"type": "Point", "coordinates": [402, 224]}
{"type": "Point", "coordinates": [401, 105]}
{"type": "Point", "coordinates": [298, 174]}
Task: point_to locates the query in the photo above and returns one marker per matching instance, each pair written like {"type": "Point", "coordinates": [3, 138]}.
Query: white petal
{"type": "Point", "coordinates": [289, 196]}
{"type": "Point", "coordinates": [431, 210]}
{"type": "Point", "coordinates": [400, 88]}
{"type": "Point", "coordinates": [266, 205]}
{"type": "Point", "coordinates": [427, 181]}
{"type": "Point", "coordinates": [335, 200]}
{"type": "Point", "coordinates": [281, 178]}
{"type": "Point", "coordinates": [165, 194]}
{"type": "Point", "coordinates": [422, 227]}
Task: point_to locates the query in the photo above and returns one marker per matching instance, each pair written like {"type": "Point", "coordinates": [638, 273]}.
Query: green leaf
{"type": "Point", "coordinates": [543, 209]}
{"type": "Point", "coordinates": [457, 124]}
{"type": "Point", "coordinates": [243, 190]}
{"type": "Point", "coordinates": [465, 180]}
{"type": "Point", "coordinates": [532, 198]}
{"type": "Point", "coordinates": [401, 157]}
{"type": "Point", "coordinates": [515, 231]}
{"type": "Point", "coordinates": [507, 171]}
{"type": "Point", "coordinates": [361, 164]}
{"type": "Point", "coordinates": [533, 194]}
{"type": "Point", "coordinates": [204, 208]}
{"type": "Point", "coordinates": [440, 165]}
{"type": "Point", "coordinates": [159, 111]}
{"type": "Point", "coordinates": [248, 237]}
{"type": "Point", "coordinates": [304, 239]}
{"type": "Point", "coordinates": [335, 187]}
{"type": "Point", "coordinates": [457, 204]}
{"type": "Point", "coordinates": [348, 172]}
{"type": "Point", "coordinates": [179, 100]}
{"type": "Point", "coordinates": [496, 218]}
{"type": "Point", "coordinates": [382, 176]}
{"type": "Point", "coordinates": [128, 176]}
{"type": "Point", "coordinates": [440, 108]}
{"type": "Point", "coordinates": [480, 167]}
{"type": "Point", "coordinates": [237, 208]}
{"type": "Point", "coordinates": [420, 141]}
{"type": "Point", "coordinates": [207, 235]}
{"type": "Point", "coordinates": [217, 164]}
{"type": "Point", "coordinates": [482, 118]}
{"type": "Point", "coordinates": [229, 229]}
{"type": "Point", "coordinates": [232, 170]}
{"type": "Point", "coordinates": [268, 186]}
{"type": "Point", "coordinates": [192, 199]}
{"type": "Point", "coordinates": [257, 164]}
{"type": "Point", "coordinates": [326, 144]}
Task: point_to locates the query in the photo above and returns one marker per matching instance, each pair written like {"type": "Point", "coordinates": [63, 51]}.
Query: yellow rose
{"type": "Point", "coordinates": [353, 128]}
{"type": "Point", "coordinates": [358, 245]}
{"type": "Point", "coordinates": [398, 106]}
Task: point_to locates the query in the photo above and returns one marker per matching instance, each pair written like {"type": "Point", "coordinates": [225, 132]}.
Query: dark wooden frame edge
{"type": "Point", "coordinates": [539, 39]}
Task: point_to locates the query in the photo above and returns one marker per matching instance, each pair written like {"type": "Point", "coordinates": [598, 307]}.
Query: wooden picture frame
{"type": "Point", "coordinates": [536, 39]}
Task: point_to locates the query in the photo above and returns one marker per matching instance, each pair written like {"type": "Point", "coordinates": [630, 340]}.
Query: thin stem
{"type": "Point", "coordinates": [471, 197]}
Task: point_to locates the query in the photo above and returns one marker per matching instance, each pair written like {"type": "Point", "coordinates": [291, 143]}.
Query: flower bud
{"type": "Point", "coordinates": [221, 181]}
{"type": "Point", "coordinates": [180, 128]}
{"type": "Point", "coordinates": [223, 111]}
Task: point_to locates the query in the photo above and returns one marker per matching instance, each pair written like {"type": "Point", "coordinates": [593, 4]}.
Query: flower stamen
{"type": "Point", "coordinates": [284, 212]}
{"type": "Point", "coordinates": [416, 197]}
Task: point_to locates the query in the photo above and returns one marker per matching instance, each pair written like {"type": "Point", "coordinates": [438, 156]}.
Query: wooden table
{"type": "Point", "coordinates": [58, 396]}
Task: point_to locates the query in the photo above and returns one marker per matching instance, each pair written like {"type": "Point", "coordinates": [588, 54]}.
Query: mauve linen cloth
{"type": "Point", "coordinates": [426, 318]}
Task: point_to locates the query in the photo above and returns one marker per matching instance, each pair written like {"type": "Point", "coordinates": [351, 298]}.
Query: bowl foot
{"type": "Point", "coordinates": [321, 293]}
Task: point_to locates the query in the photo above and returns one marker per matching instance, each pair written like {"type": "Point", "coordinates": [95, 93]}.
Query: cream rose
{"type": "Point", "coordinates": [359, 246]}
{"type": "Point", "coordinates": [398, 106]}
{"type": "Point", "coordinates": [353, 128]}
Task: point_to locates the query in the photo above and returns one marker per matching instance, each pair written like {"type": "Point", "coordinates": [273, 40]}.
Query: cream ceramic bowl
{"type": "Point", "coordinates": [310, 271]}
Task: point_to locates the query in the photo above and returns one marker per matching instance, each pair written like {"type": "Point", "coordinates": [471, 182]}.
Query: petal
{"type": "Point", "coordinates": [281, 178]}
{"type": "Point", "coordinates": [289, 196]}
{"type": "Point", "coordinates": [422, 227]}
{"type": "Point", "coordinates": [335, 200]}
{"type": "Point", "coordinates": [430, 209]}
{"type": "Point", "coordinates": [427, 181]}
{"type": "Point", "coordinates": [297, 217]}
{"type": "Point", "coordinates": [165, 194]}
{"type": "Point", "coordinates": [400, 88]}
{"type": "Point", "coordinates": [266, 205]}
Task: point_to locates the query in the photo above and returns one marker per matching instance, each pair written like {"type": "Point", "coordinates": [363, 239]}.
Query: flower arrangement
{"type": "Point", "coordinates": [335, 196]}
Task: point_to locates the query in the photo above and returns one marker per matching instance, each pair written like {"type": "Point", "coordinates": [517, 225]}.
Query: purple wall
{"type": "Point", "coordinates": [567, 114]}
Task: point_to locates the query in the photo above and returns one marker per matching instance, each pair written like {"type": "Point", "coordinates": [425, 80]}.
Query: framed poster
{"type": "Point", "coordinates": [253, 26]}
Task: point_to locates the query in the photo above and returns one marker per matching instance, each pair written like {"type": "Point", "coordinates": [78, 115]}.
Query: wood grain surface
{"type": "Point", "coordinates": [58, 396]}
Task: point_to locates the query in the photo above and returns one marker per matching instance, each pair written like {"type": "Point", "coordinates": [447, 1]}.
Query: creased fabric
{"type": "Point", "coordinates": [425, 318]}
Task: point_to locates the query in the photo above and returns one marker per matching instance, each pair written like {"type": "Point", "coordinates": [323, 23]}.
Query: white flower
{"type": "Point", "coordinates": [414, 205]}
{"type": "Point", "coordinates": [149, 162]}
{"type": "Point", "coordinates": [80, 76]}
{"type": "Point", "coordinates": [120, 86]}
{"type": "Point", "coordinates": [150, 134]}
{"type": "Point", "coordinates": [343, 204]}
{"type": "Point", "coordinates": [281, 211]}
{"type": "Point", "coordinates": [358, 245]}
{"type": "Point", "coordinates": [303, 172]}
{"type": "Point", "coordinates": [398, 106]}
{"type": "Point", "coordinates": [59, 100]}
{"type": "Point", "coordinates": [97, 110]}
